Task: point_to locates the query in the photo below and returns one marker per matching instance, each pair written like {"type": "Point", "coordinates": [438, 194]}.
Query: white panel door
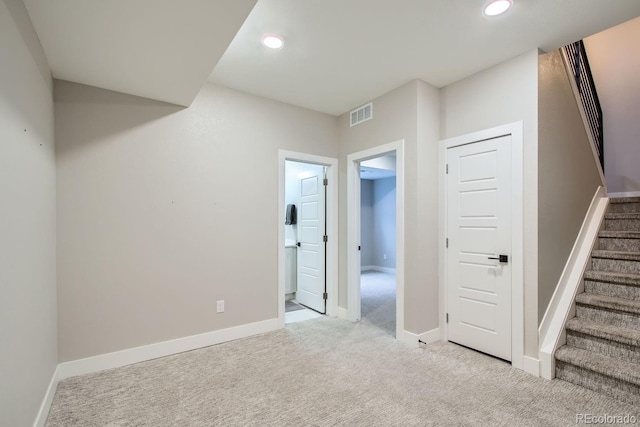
{"type": "Point", "coordinates": [479, 229]}
{"type": "Point", "coordinates": [311, 247]}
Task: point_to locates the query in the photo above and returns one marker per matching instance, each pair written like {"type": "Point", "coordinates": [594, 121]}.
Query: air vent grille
{"type": "Point", "coordinates": [362, 114]}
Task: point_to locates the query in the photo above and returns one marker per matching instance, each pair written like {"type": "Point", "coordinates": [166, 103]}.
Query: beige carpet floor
{"type": "Point", "coordinates": [324, 372]}
{"type": "Point", "coordinates": [378, 300]}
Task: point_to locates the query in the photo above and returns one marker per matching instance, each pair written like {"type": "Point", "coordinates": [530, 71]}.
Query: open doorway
{"type": "Point", "coordinates": [367, 309]}
{"type": "Point", "coordinates": [307, 225]}
{"type": "Point", "coordinates": [378, 242]}
{"type": "Point", "coordinates": [305, 246]}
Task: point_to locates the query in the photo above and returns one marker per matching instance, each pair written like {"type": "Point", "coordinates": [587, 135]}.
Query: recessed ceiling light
{"type": "Point", "coordinates": [497, 7]}
{"type": "Point", "coordinates": [272, 41]}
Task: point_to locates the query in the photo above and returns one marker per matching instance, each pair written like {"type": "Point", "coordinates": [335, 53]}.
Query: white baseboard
{"type": "Point", "coordinates": [431, 336]}
{"type": "Point", "coordinates": [409, 338]}
{"type": "Point", "coordinates": [625, 194]}
{"type": "Point", "coordinates": [161, 349]}
{"type": "Point", "coordinates": [413, 340]}
{"type": "Point", "coordinates": [143, 353]}
{"type": "Point", "coordinates": [378, 268]}
{"type": "Point", "coordinates": [343, 313]}
{"type": "Point", "coordinates": [43, 413]}
{"type": "Point", "coordinates": [531, 365]}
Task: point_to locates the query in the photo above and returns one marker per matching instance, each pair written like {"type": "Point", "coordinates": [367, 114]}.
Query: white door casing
{"type": "Point", "coordinates": [479, 231]}
{"type": "Point", "coordinates": [332, 229]}
{"type": "Point", "coordinates": [311, 247]}
{"type": "Point", "coordinates": [353, 233]}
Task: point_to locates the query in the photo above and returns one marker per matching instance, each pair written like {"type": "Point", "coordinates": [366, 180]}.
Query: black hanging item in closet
{"type": "Point", "coordinates": [291, 215]}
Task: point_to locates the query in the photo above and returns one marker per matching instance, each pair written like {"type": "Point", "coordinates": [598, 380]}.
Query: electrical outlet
{"type": "Point", "coordinates": [220, 306]}
{"type": "Point", "coordinates": [384, 256]}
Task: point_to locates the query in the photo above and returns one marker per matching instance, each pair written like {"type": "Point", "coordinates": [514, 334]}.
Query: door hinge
{"type": "Point", "coordinates": [325, 181]}
{"type": "Point", "coordinates": [359, 248]}
{"type": "Point", "coordinates": [324, 295]}
{"type": "Point", "coordinates": [447, 317]}
{"type": "Point", "coordinates": [325, 238]}
{"type": "Point", "coordinates": [447, 171]}
{"type": "Point", "coordinates": [447, 242]}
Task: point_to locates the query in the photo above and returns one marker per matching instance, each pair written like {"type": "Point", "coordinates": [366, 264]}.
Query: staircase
{"type": "Point", "coordinates": [603, 340]}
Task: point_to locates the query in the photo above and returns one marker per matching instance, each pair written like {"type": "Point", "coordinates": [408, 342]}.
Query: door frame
{"type": "Point", "coordinates": [353, 230]}
{"type": "Point", "coordinates": [331, 208]}
{"type": "Point", "coordinates": [515, 130]}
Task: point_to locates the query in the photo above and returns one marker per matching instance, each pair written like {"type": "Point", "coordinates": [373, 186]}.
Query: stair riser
{"type": "Point", "coordinates": [611, 244]}
{"type": "Point", "coordinates": [624, 352]}
{"type": "Point", "coordinates": [612, 290]}
{"type": "Point", "coordinates": [622, 224]}
{"type": "Point", "coordinates": [615, 265]}
{"type": "Point", "coordinates": [619, 389]}
{"type": "Point", "coordinates": [615, 388]}
{"type": "Point", "coordinates": [614, 318]}
{"type": "Point", "coordinates": [624, 208]}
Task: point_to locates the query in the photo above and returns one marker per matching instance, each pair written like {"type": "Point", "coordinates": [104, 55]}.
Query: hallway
{"type": "Point", "coordinates": [378, 294]}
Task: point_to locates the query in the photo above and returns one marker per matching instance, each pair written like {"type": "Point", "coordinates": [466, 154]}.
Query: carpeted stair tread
{"type": "Point", "coordinates": [616, 278]}
{"type": "Point", "coordinates": [626, 205]}
{"type": "Point", "coordinates": [608, 332]}
{"type": "Point", "coordinates": [624, 371]}
{"type": "Point", "coordinates": [627, 256]}
{"type": "Point", "coordinates": [603, 340]}
{"type": "Point", "coordinates": [624, 200]}
{"type": "Point", "coordinates": [622, 215]}
{"type": "Point", "coordinates": [609, 303]}
{"type": "Point", "coordinates": [619, 234]}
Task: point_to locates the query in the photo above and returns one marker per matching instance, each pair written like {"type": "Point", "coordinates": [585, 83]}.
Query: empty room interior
{"type": "Point", "coordinates": [281, 212]}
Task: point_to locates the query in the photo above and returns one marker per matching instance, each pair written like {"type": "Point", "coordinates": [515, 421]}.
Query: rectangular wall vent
{"type": "Point", "coordinates": [362, 114]}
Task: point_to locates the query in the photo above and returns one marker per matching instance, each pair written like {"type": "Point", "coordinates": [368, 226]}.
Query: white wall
{"type": "Point", "coordinates": [291, 196]}
{"type": "Point", "coordinates": [615, 63]}
{"type": "Point", "coordinates": [409, 112]}
{"type": "Point", "coordinates": [378, 222]}
{"type": "Point", "coordinates": [387, 162]}
{"type": "Point", "coordinates": [164, 210]}
{"type": "Point", "coordinates": [568, 174]}
{"type": "Point", "coordinates": [384, 222]}
{"type": "Point", "coordinates": [292, 172]}
{"type": "Point", "coordinates": [424, 300]}
{"type": "Point", "coordinates": [366, 222]}
{"type": "Point", "coordinates": [506, 93]}
{"type": "Point", "coordinates": [28, 318]}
